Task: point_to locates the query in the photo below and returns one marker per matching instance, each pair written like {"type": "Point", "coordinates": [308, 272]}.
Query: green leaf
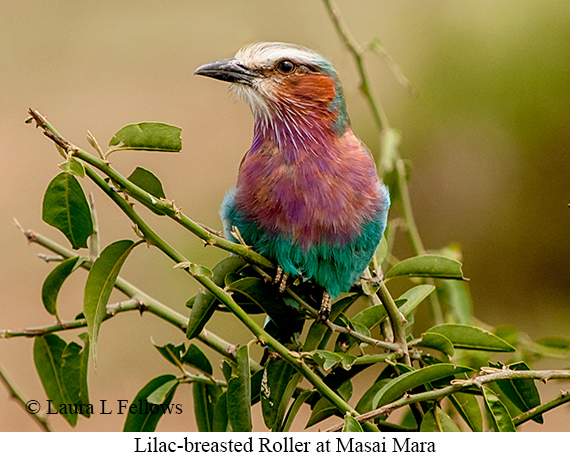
{"type": "Point", "coordinates": [205, 399]}
{"type": "Point", "coordinates": [147, 181]}
{"type": "Point", "coordinates": [351, 424]}
{"type": "Point", "coordinates": [220, 421]}
{"type": "Point", "coordinates": [553, 346]}
{"type": "Point", "coordinates": [365, 403]}
{"type": "Point", "coordinates": [73, 166]}
{"type": "Point", "coordinates": [202, 310]}
{"type": "Point", "coordinates": [555, 342]}
{"type": "Point", "coordinates": [521, 392]}
{"type": "Point", "coordinates": [442, 423]}
{"type": "Point", "coordinates": [381, 251]}
{"type": "Point", "coordinates": [294, 409]}
{"type": "Point", "coordinates": [197, 359]}
{"type": "Point", "coordinates": [374, 315]}
{"type": "Point", "coordinates": [145, 417]}
{"type": "Point", "coordinates": [390, 142]}
{"type": "Point", "coordinates": [437, 341]}
{"type": "Point", "coordinates": [468, 337]}
{"type": "Point", "coordinates": [202, 408]}
{"type": "Point", "coordinates": [370, 317]}
{"type": "Point", "coordinates": [428, 265]}
{"type": "Point", "coordinates": [148, 136]}
{"type": "Point", "coordinates": [99, 286]}
{"type": "Point", "coordinates": [48, 358]}
{"type": "Point", "coordinates": [171, 352]}
{"type": "Point", "coordinates": [326, 359]}
{"type": "Point", "coordinates": [468, 407]}
{"type": "Point", "coordinates": [277, 375]}
{"type": "Point", "coordinates": [225, 267]}
{"type": "Point", "coordinates": [160, 395]}
{"type": "Point", "coordinates": [330, 360]}
{"type": "Point", "coordinates": [55, 280]}
{"type": "Point", "coordinates": [509, 333]}
{"type": "Point", "coordinates": [412, 379]}
{"type": "Point", "coordinates": [459, 300]}
{"type": "Point", "coordinates": [414, 297]}
{"type": "Point", "coordinates": [500, 417]}
{"type": "Point", "coordinates": [284, 401]}
{"type": "Point", "coordinates": [239, 393]}
{"type": "Point", "coordinates": [65, 208]}
{"type": "Point", "coordinates": [227, 368]}
{"type": "Point", "coordinates": [74, 370]}
{"type": "Point", "coordinates": [323, 409]}
{"type": "Point", "coordinates": [84, 371]}
{"type": "Point", "coordinates": [203, 305]}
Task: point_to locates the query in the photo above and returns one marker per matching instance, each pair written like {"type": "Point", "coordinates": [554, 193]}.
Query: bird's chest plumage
{"type": "Point", "coordinates": [320, 196]}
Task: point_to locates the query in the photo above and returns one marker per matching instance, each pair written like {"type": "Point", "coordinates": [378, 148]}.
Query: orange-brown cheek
{"type": "Point", "coordinates": [318, 88]}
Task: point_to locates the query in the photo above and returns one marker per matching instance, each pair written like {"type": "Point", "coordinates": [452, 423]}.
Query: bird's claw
{"type": "Point", "coordinates": [325, 310]}
{"type": "Point", "coordinates": [281, 279]}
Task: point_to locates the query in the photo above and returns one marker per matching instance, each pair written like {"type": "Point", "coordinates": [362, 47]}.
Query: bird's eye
{"type": "Point", "coordinates": [285, 67]}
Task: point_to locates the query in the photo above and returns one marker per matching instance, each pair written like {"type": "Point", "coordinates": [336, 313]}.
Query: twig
{"type": "Point", "coordinates": [334, 327]}
{"type": "Point", "coordinates": [94, 238]}
{"type": "Point", "coordinates": [151, 304]}
{"type": "Point", "coordinates": [398, 321]}
{"type": "Point", "coordinates": [395, 347]}
{"type": "Point", "coordinates": [112, 310]}
{"type": "Point", "coordinates": [378, 113]}
{"type": "Point", "coordinates": [190, 378]}
{"type": "Point", "coordinates": [39, 418]}
{"type": "Point", "coordinates": [460, 385]}
{"type": "Point", "coordinates": [145, 198]}
{"type": "Point", "coordinates": [564, 397]}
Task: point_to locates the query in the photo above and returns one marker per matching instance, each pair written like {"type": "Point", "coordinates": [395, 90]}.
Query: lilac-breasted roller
{"type": "Point", "coordinates": [307, 193]}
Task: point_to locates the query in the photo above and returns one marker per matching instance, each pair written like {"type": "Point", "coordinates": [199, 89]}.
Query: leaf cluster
{"type": "Point", "coordinates": [306, 364]}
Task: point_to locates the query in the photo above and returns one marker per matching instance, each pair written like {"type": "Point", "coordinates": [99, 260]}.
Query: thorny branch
{"type": "Point", "coordinates": [466, 384]}
{"type": "Point", "coordinates": [154, 239]}
{"type": "Point", "coordinates": [39, 418]}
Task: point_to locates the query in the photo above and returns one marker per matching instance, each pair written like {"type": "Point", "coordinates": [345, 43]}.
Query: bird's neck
{"type": "Point", "coordinates": [298, 131]}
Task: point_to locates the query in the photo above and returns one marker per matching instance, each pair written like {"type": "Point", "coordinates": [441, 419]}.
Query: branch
{"type": "Point", "coordinates": [378, 113]}
{"type": "Point", "coordinates": [564, 397]}
{"type": "Point", "coordinates": [154, 239]}
{"type": "Point", "coordinates": [389, 149]}
{"type": "Point", "coordinates": [149, 303]}
{"type": "Point", "coordinates": [40, 419]}
{"type": "Point", "coordinates": [146, 199]}
{"type": "Point", "coordinates": [112, 310]}
{"type": "Point", "coordinates": [458, 385]}
{"type": "Point", "coordinates": [398, 321]}
{"type": "Point", "coordinates": [346, 330]}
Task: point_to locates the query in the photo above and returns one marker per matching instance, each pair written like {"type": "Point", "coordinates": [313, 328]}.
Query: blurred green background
{"type": "Point", "coordinates": [486, 132]}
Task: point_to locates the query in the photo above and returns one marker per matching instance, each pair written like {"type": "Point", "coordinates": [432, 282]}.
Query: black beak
{"type": "Point", "coordinates": [229, 70]}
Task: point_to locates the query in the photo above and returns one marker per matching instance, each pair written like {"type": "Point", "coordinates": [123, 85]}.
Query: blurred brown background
{"type": "Point", "coordinates": [487, 134]}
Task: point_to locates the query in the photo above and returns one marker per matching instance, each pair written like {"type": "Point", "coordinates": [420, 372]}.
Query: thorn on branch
{"type": "Point", "coordinates": [50, 258]}
{"type": "Point", "coordinates": [31, 236]}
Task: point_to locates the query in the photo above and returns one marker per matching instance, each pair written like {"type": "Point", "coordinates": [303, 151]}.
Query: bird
{"type": "Point", "coordinates": [307, 195]}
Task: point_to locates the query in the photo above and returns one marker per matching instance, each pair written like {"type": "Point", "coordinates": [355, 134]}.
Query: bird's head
{"type": "Point", "coordinates": [292, 91]}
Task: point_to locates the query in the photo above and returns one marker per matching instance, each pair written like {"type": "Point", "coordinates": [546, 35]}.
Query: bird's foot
{"type": "Point", "coordinates": [281, 279]}
{"type": "Point", "coordinates": [325, 310]}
